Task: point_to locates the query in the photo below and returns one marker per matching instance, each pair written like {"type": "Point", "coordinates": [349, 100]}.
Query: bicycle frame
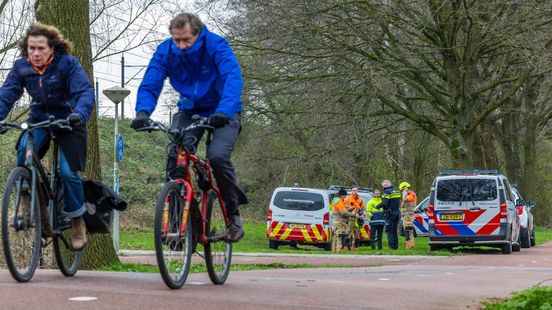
{"type": "Point", "coordinates": [45, 183]}
{"type": "Point", "coordinates": [183, 159]}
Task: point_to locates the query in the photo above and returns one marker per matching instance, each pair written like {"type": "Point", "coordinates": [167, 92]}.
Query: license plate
{"type": "Point", "coordinates": [302, 226]}
{"type": "Point", "coordinates": [452, 217]}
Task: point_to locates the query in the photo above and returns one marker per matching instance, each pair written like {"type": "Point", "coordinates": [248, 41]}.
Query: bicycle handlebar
{"type": "Point", "coordinates": [52, 124]}
{"type": "Point", "coordinates": [199, 122]}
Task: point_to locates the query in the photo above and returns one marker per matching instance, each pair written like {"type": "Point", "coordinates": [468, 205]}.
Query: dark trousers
{"type": "Point", "coordinates": [376, 233]}
{"type": "Point", "coordinates": [218, 153]}
{"type": "Point", "coordinates": [391, 229]}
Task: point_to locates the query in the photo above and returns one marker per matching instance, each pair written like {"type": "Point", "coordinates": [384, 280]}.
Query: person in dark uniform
{"type": "Point", "coordinates": [391, 203]}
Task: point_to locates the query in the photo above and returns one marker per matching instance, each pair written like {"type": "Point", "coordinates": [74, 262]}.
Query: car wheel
{"type": "Point", "coordinates": [507, 248]}
{"type": "Point", "coordinates": [525, 238]}
{"type": "Point", "coordinates": [433, 247]}
{"type": "Point", "coordinates": [273, 244]}
{"type": "Point", "coordinates": [516, 247]}
{"type": "Point", "coordinates": [328, 246]}
{"type": "Point", "coordinates": [533, 240]}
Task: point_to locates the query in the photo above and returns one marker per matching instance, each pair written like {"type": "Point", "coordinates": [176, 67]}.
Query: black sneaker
{"type": "Point", "coordinates": [235, 229]}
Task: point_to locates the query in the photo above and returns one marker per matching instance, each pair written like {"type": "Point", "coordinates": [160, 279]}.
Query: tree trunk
{"type": "Point", "coordinates": [530, 161]}
{"type": "Point", "coordinates": [488, 141]}
{"type": "Point", "coordinates": [72, 19]}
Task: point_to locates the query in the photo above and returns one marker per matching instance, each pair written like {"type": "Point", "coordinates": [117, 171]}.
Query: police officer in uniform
{"type": "Point", "coordinates": [390, 203]}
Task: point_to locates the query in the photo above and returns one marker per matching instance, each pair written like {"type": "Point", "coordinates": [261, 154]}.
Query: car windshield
{"type": "Point", "coordinates": [466, 190]}
{"type": "Point", "coordinates": [299, 201]}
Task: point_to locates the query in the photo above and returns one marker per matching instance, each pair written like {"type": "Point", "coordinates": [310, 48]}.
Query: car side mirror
{"type": "Point", "coordinates": [520, 202]}
{"type": "Point", "coordinates": [531, 204]}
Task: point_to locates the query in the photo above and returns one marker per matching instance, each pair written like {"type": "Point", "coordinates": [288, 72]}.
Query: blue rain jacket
{"type": "Point", "coordinates": [207, 76]}
{"type": "Point", "coordinates": [62, 89]}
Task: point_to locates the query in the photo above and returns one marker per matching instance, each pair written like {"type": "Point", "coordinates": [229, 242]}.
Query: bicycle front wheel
{"type": "Point", "coordinates": [218, 250]}
{"type": "Point", "coordinates": [67, 259]}
{"type": "Point", "coordinates": [20, 226]}
{"type": "Point", "coordinates": [173, 241]}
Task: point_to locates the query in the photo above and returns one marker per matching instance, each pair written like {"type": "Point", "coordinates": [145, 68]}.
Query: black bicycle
{"type": "Point", "coordinates": [32, 206]}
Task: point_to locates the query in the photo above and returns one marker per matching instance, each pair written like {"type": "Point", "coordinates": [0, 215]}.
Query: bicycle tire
{"type": "Point", "coordinates": [67, 259]}
{"type": "Point", "coordinates": [21, 257]}
{"type": "Point", "coordinates": [218, 251]}
{"type": "Point", "coordinates": [174, 253]}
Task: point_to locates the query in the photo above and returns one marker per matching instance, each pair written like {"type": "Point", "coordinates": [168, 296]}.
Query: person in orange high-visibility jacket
{"type": "Point", "coordinates": [408, 203]}
{"type": "Point", "coordinates": [340, 218]}
{"type": "Point", "coordinates": [356, 206]}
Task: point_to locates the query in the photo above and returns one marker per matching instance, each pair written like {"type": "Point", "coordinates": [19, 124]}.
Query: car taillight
{"type": "Point", "coordinates": [519, 210]}
{"type": "Point", "coordinates": [326, 220]}
{"type": "Point", "coordinates": [503, 213]}
{"type": "Point", "coordinates": [269, 215]}
{"type": "Point", "coordinates": [430, 213]}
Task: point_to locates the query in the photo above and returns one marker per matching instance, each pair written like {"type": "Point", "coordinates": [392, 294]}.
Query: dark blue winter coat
{"type": "Point", "coordinates": [207, 77]}
{"type": "Point", "coordinates": [62, 89]}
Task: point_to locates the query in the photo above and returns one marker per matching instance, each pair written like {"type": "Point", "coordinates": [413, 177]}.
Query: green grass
{"type": "Point", "coordinates": [255, 241]}
{"type": "Point", "coordinates": [533, 298]}
{"type": "Point", "coordinates": [196, 268]}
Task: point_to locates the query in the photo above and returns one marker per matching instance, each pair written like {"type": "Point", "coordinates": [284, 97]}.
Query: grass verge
{"type": "Point", "coordinates": [131, 267]}
{"type": "Point", "coordinates": [255, 241]}
{"type": "Point", "coordinates": [534, 298]}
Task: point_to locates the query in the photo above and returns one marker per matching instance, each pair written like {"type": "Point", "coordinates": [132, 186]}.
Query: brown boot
{"type": "Point", "coordinates": [79, 233]}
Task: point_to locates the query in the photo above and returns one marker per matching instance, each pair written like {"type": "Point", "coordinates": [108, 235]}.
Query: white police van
{"type": "Point", "coordinates": [473, 207]}
{"type": "Point", "coordinates": [299, 216]}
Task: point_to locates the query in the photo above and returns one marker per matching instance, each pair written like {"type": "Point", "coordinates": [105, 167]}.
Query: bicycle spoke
{"type": "Point", "coordinates": [20, 226]}
{"type": "Point", "coordinates": [218, 251]}
{"type": "Point", "coordinates": [173, 243]}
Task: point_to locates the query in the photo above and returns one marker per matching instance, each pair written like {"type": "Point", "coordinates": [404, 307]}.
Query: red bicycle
{"type": "Point", "coordinates": [190, 211]}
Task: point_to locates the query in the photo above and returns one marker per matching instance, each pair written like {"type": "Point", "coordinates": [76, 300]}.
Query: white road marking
{"type": "Point", "coordinates": [533, 261]}
{"type": "Point", "coordinates": [383, 279]}
{"type": "Point", "coordinates": [521, 265]}
{"type": "Point", "coordinates": [449, 273]}
{"type": "Point", "coordinates": [83, 298]}
{"type": "Point", "coordinates": [197, 283]}
{"type": "Point", "coordinates": [422, 275]}
{"type": "Point", "coordinates": [336, 281]}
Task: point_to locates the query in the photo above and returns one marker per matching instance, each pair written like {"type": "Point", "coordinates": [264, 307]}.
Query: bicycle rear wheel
{"type": "Point", "coordinates": [218, 251]}
{"type": "Point", "coordinates": [172, 247]}
{"type": "Point", "coordinates": [20, 234]}
{"type": "Point", "coordinates": [67, 259]}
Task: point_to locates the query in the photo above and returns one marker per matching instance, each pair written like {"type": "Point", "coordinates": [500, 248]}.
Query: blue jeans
{"type": "Point", "coordinates": [73, 197]}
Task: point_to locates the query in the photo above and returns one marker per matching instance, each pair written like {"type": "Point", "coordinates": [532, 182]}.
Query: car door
{"type": "Point", "coordinates": [421, 218]}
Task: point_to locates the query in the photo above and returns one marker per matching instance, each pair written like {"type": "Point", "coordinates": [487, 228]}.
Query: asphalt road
{"type": "Point", "coordinates": [457, 282]}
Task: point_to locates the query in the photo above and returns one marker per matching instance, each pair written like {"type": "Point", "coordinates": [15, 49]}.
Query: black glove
{"type": "Point", "coordinates": [75, 120]}
{"type": "Point", "coordinates": [142, 120]}
{"type": "Point", "coordinates": [218, 120]}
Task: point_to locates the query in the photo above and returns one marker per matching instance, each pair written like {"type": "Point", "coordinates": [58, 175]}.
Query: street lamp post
{"type": "Point", "coordinates": [116, 94]}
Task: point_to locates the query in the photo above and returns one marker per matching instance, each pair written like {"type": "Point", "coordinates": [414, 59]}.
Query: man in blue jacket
{"type": "Point", "coordinates": [58, 87]}
{"type": "Point", "coordinates": [205, 72]}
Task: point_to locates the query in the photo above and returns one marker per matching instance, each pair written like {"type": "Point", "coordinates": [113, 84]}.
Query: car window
{"type": "Point", "coordinates": [508, 190]}
{"type": "Point", "coordinates": [466, 190]}
{"type": "Point", "coordinates": [424, 206]}
{"type": "Point", "coordinates": [300, 201]}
